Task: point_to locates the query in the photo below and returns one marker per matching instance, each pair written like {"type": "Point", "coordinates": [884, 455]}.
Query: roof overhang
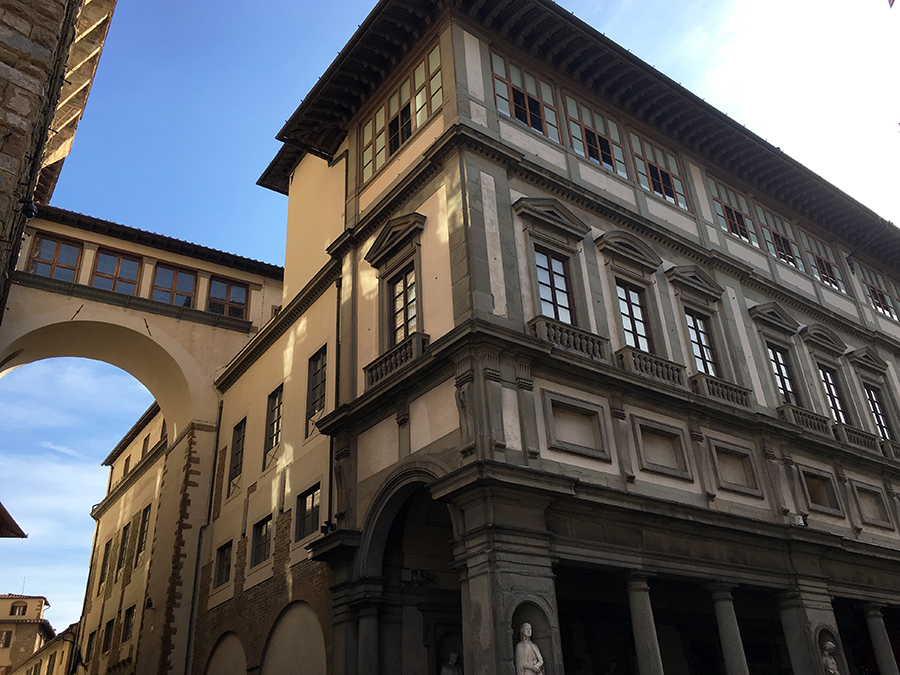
{"type": "Point", "coordinates": [8, 526]}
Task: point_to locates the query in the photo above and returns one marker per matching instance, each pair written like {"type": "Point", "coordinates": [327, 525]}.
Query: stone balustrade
{"type": "Point", "coordinates": [806, 419]}
{"type": "Point", "coordinates": [568, 337]}
{"type": "Point", "coordinates": [649, 365]}
{"type": "Point", "coordinates": [389, 362]}
{"type": "Point", "coordinates": [856, 437]}
{"type": "Point", "coordinates": [714, 387]}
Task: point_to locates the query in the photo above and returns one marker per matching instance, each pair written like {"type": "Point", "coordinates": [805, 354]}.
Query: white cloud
{"type": "Point", "coordinates": [61, 448]}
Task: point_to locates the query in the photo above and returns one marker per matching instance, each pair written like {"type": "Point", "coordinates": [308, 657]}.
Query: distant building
{"type": "Point", "coordinates": [23, 629]}
{"type": "Point", "coordinates": [54, 658]}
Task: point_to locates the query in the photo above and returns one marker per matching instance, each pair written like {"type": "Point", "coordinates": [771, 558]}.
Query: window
{"type": "Point", "coordinates": [5, 639]}
{"type": "Point", "coordinates": [595, 137]}
{"type": "Point", "coordinates": [108, 635]}
{"type": "Point", "coordinates": [833, 394]}
{"type": "Point", "coordinates": [658, 171]}
{"type": "Point", "coordinates": [877, 292]}
{"type": "Point", "coordinates": [262, 540]}
{"type": "Point", "coordinates": [104, 566]}
{"type": "Point", "coordinates": [876, 406]}
{"type": "Point", "coordinates": [145, 446]}
{"type": "Point", "coordinates": [18, 609]}
{"type": "Point", "coordinates": [115, 272]}
{"type": "Point", "coordinates": [634, 316]}
{"type": "Point", "coordinates": [825, 267]}
{"type": "Point", "coordinates": [51, 663]}
{"type": "Point", "coordinates": [407, 109]}
{"type": "Point", "coordinates": [781, 369]}
{"type": "Point", "coordinates": [732, 212]}
{"type": "Point", "coordinates": [237, 454]}
{"type": "Point", "coordinates": [553, 285]}
{"type": "Point", "coordinates": [223, 564]}
{"type": "Point", "coordinates": [227, 298]}
{"type": "Point", "coordinates": [403, 307]}
{"type": "Point", "coordinates": [273, 422]}
{"type": "Point", "coordinates": [173, 286]}
{"type": "Point", "coordinates": [54, 258]}
{"type": "Point", "coordinates": [143, 530]}
{"type": "Point", "coordinates": [308, 513]}
{"type": "Point", "coordinates": [89, 649]}
{"type": "Point", "coordinates": [701, 342]}
{"type": "Point", "coordinates": [123, 545]}
{"type": "Point", "coordinates": [128, 623]}
{"type": "Point", "coordinates": [127, 466]}
{"type": "Point", "coordinates": [524, 97]}
{"type": "Point", "coordinates": [315, 387]}
{"type": "Point", "coordinates": [781, 241]}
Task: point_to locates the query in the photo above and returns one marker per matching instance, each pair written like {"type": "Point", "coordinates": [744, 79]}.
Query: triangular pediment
{"type": "Point", "coordinates": [626, 245]}
{"type": "Point", "coordinates": [824, 338]}
{"type": "Point", "coordinates": [694, 278]}
{"type": "Point", "coordinates": [393, 236]}
{"type": "Point", "coordinates": [867, 357]}
{"type": "Point", "coordinates": [551, 212]}
{"type": "Point", "coordinates": [775, 316]}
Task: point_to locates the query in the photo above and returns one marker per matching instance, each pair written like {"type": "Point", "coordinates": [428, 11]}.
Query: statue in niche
{"type": "Point", "coordinates": [828, 661]}
{"type": "Point", "coordinates": [451, 667]}
{"type": "Point", "coordinates": [528, 657]}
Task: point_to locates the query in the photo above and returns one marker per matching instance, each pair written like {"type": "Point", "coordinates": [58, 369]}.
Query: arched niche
{"type": "Point", "coordinates": [227, 657]}
{"type": "Point", "coordinates": [296, 643]}
{"type": "Point", "coordinates": [541, 632]}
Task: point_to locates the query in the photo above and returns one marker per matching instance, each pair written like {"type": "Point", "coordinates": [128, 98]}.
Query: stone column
{"type": "Point", "coordinates": [884, 653]}
{"type": "Point", "coordinates": [645, 641]}
{"type": "Point", "coordinates": [729, 632]}
{"type": "Point", "coordinates": [368, 640]}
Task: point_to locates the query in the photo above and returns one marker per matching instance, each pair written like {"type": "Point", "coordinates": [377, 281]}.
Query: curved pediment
{"type": "Point", "coordinates": [551, 212]}
{"type": "Point", "coordinates": [393, 236]}
{"type": "Point", "coordinates": [867, 357]}
{"type": "Point", "coordinates": [824, 338]}
{"type": "Point", "coordinates": [626, 245]}
{"type": "Point", "coordinates": [775, 316]}
{"type": "Point", "coordinates": [695, 279]}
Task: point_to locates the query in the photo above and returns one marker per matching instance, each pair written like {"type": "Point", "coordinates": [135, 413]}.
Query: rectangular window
{"type": "Point", "coordinates": [237, 454]}
{"type": "Point", "coordinates": [116, 272]}
{"type": "Point", "coordinates": [308, 513]}
{"type": "Point", "coordinates": [823, 264]}
{"type": "Point", "coordinates": [524, 97]}
{"type": "Point", "coordinates": [5, 638]}
{"type": "Point", "coordinates": [315, 387]}
{"type": "Point", "coordinates": [833, 394]}
{"type": "Point", "coordinates": [781, 369]}
{"type": "Point", "coordinates": [128, 623]}
{"type": "Point", "coordinates": [122, 546]}
{"type": "Point", "coordinates": [223, 564]}
{"type": "Point", "coordinates": [701, 342]}
{"type": "Point", "coordinates": [403, 305]}
{"type": "Point", "coordinates": [227, 298]}
{"type": "Point", "coordinates": [174, 286]}
{"type": "Point", "coordinates": [553, 285]}
{"type": "Point", "coordinates": [595, 137]}
{"type": "Point", "coordinates": [145, 446]}
{"type": "Point", "coordinates": [406, 110]}
{"type": "Point", "coordinates": [108, 635]}
{"type": "Point", "coordinates": [89, 648]}
{"type": "Point", "coordinates": [732, 212]}
{"type": "Point", "coordinates": [18, 609]}
{"type": "Point", "coordinates": [104, 566]}
{"type": "Point", "coordinates": [273, 421]}
{"type": "Point", "coordinates": [876, 405]}
{"type": "Point", "coordinates": [54, 258]}
{"type": "Point", "coordinates": [262, 541]}
{"type": "Point", "coordinates": [143, 530]}
{"type": "Point", "coordinates": [781, 241]}
{"type": "Point", "coordinates": [51, 664]}
{"type": "Point", "coordinates": [877, 292]}
{"type": "Point", "coordinates": [634, 316]}
{"type": "Point", "coordinates": [127, 466]}
{"type": "Point", "coordinates": [658, 171]}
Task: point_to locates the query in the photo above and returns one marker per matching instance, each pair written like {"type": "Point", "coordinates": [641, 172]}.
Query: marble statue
{"type": "Point", "coordinates": [828, 662]}
{"type": "Point", "coordinates": [451, 667]}
{"type": "Point", "coordinates": [528, 656]}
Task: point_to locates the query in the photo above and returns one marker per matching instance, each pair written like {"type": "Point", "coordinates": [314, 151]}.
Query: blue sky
{"type": "Point", "coordinates": [181, 122]}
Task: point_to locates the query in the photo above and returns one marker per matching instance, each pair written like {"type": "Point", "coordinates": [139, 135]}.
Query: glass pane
{"type": "Point", "coordinates": [106, 264]}
{"type": "Point", "coordinates": [103, 282]}
{"type": "Point", "coordinates": [64, 274]}
{"type": "Point", "coordinates": [379, 118]}
{"type": "Point", "coordinates": [546, 93]}
{"type": "Point", "coordinates": [185, 282]}
{"type": "Point", "coordinates": [238, 295]}
{"type": "Point", "coordinates": [613, 130]}
{"type": "Point", "coordinates": [405, 91]}
{"type": "Point", "coordinates": [128, 269]}
{"type": "Point", "coordinates": [125, 287]}
{"type": "Point", "coordinates": [572, 107]}
{"type": "Point", "coordinates": [434, 59]}
{"type": "Point", "coordinates": [515, 75]}
{"type": "Point", "coordinates": [162, 296]}
{"type": "Point", "coordinates": [497, 64]}
{"type": "Point", "coordinates": [393, 104]}
{"type": "Point", "coordinates": [68, 255]}
{"type": "Point", "coordinates": [218, 290]}
{"type": "Point", "coordinates": [367, 133]}
{"type": "Point", "coordinates": [164, 277]}
{"type": "Point", "coordinates": [420, 75]}
{"type": "Point", "coordinates": [45, 249]}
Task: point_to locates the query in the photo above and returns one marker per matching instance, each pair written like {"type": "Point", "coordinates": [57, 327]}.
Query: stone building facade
{"type": "Point", "coordinates": [23, 629]}
{"type": "Point", "coordinates": [55, 657]}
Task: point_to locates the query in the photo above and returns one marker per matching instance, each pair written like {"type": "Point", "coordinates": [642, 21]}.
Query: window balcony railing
{"type": "Point", "coordinates": [568, 337]}
{"type": "Point", "coordinates": [805, 418]}
{"type": "Point", "coordinates": [389, 362]}
{"type": "Point", "coordinates": [890, 449]}
{"type": "Point", "coordinates": [856, 437]}
{"type": "Point", "coordinates": [707, 385]}
{"type": "Point", "coordinates": [643, 363]}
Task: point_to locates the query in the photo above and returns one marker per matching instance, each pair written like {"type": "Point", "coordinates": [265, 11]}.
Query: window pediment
{"type": "Point", "coordinates": [551, 212]}
{"type": "Point", "coordinates": [868, 358]}
{"type": "Point", "coordinates": [393, 236]}
{"type": "Point", "coordinates": [775, 316]}
{"type": "Point", "coordinates": [824, 338]}
{"type": "Point", "coordinates": [628, 247]}
{"type": "Point", "coordinates": [695, 279]}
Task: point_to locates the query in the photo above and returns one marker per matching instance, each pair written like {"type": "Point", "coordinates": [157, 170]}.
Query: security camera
{"type": "Point", "coordinates": [29, 208]}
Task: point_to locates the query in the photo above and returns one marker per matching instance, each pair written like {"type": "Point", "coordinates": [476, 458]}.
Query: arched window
{"type": "Point", "coordinates": [18, 609]}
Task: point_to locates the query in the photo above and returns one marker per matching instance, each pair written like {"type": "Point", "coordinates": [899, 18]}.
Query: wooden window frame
{"type": "Point", "coordinates": [780, 236]}
{"type": "Point", "coordinates": [878, 292]}
{"type": "Point", "coordinates": [222, 570]}
{"type": "Point", "coordinates": [595, 137]}
{"type": "Point", "coordinates": [14, 609]}
{"type": "Point", "coordinates": [115, 278]}
{"type": "Point", "coordinates": [558, 308]}
{"type": "Point", "coordinates": [5, 639]}
{"type": "Point", "coordinates": [409, 320]}
{"type": "Point", "coordinates": [54, 262]}
{"type": "Point", "coordinates": [173, 290]}
{"type": "Point", "coordinates": [641, 294]}
{"type": "Point", "coordinates": [308, 518]}
{"type": "Point", "coordinates": [732, 212]}
{"type": "Point", "coordinates": [824, 266]}
{"type": "Point", "coordinates": [227, 305]}
{"type": "Point", "coordinates": [530, 108]}
{"type": "Point", "coordinates": [236, 465]}
{"type": "Point", "coordinates": [261, 550]}
{"type": "Point", "coordinates": [650, 159]}
{"type": "Point", "coordinates": [316, 386]}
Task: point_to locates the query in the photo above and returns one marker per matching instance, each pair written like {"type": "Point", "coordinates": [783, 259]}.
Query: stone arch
{"type": "Point", "coordinates": [160, 364]}
{"type": "Point", "coordinates": [228, 657]}
{"type": "Point", "coordinates": [296, 643]}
